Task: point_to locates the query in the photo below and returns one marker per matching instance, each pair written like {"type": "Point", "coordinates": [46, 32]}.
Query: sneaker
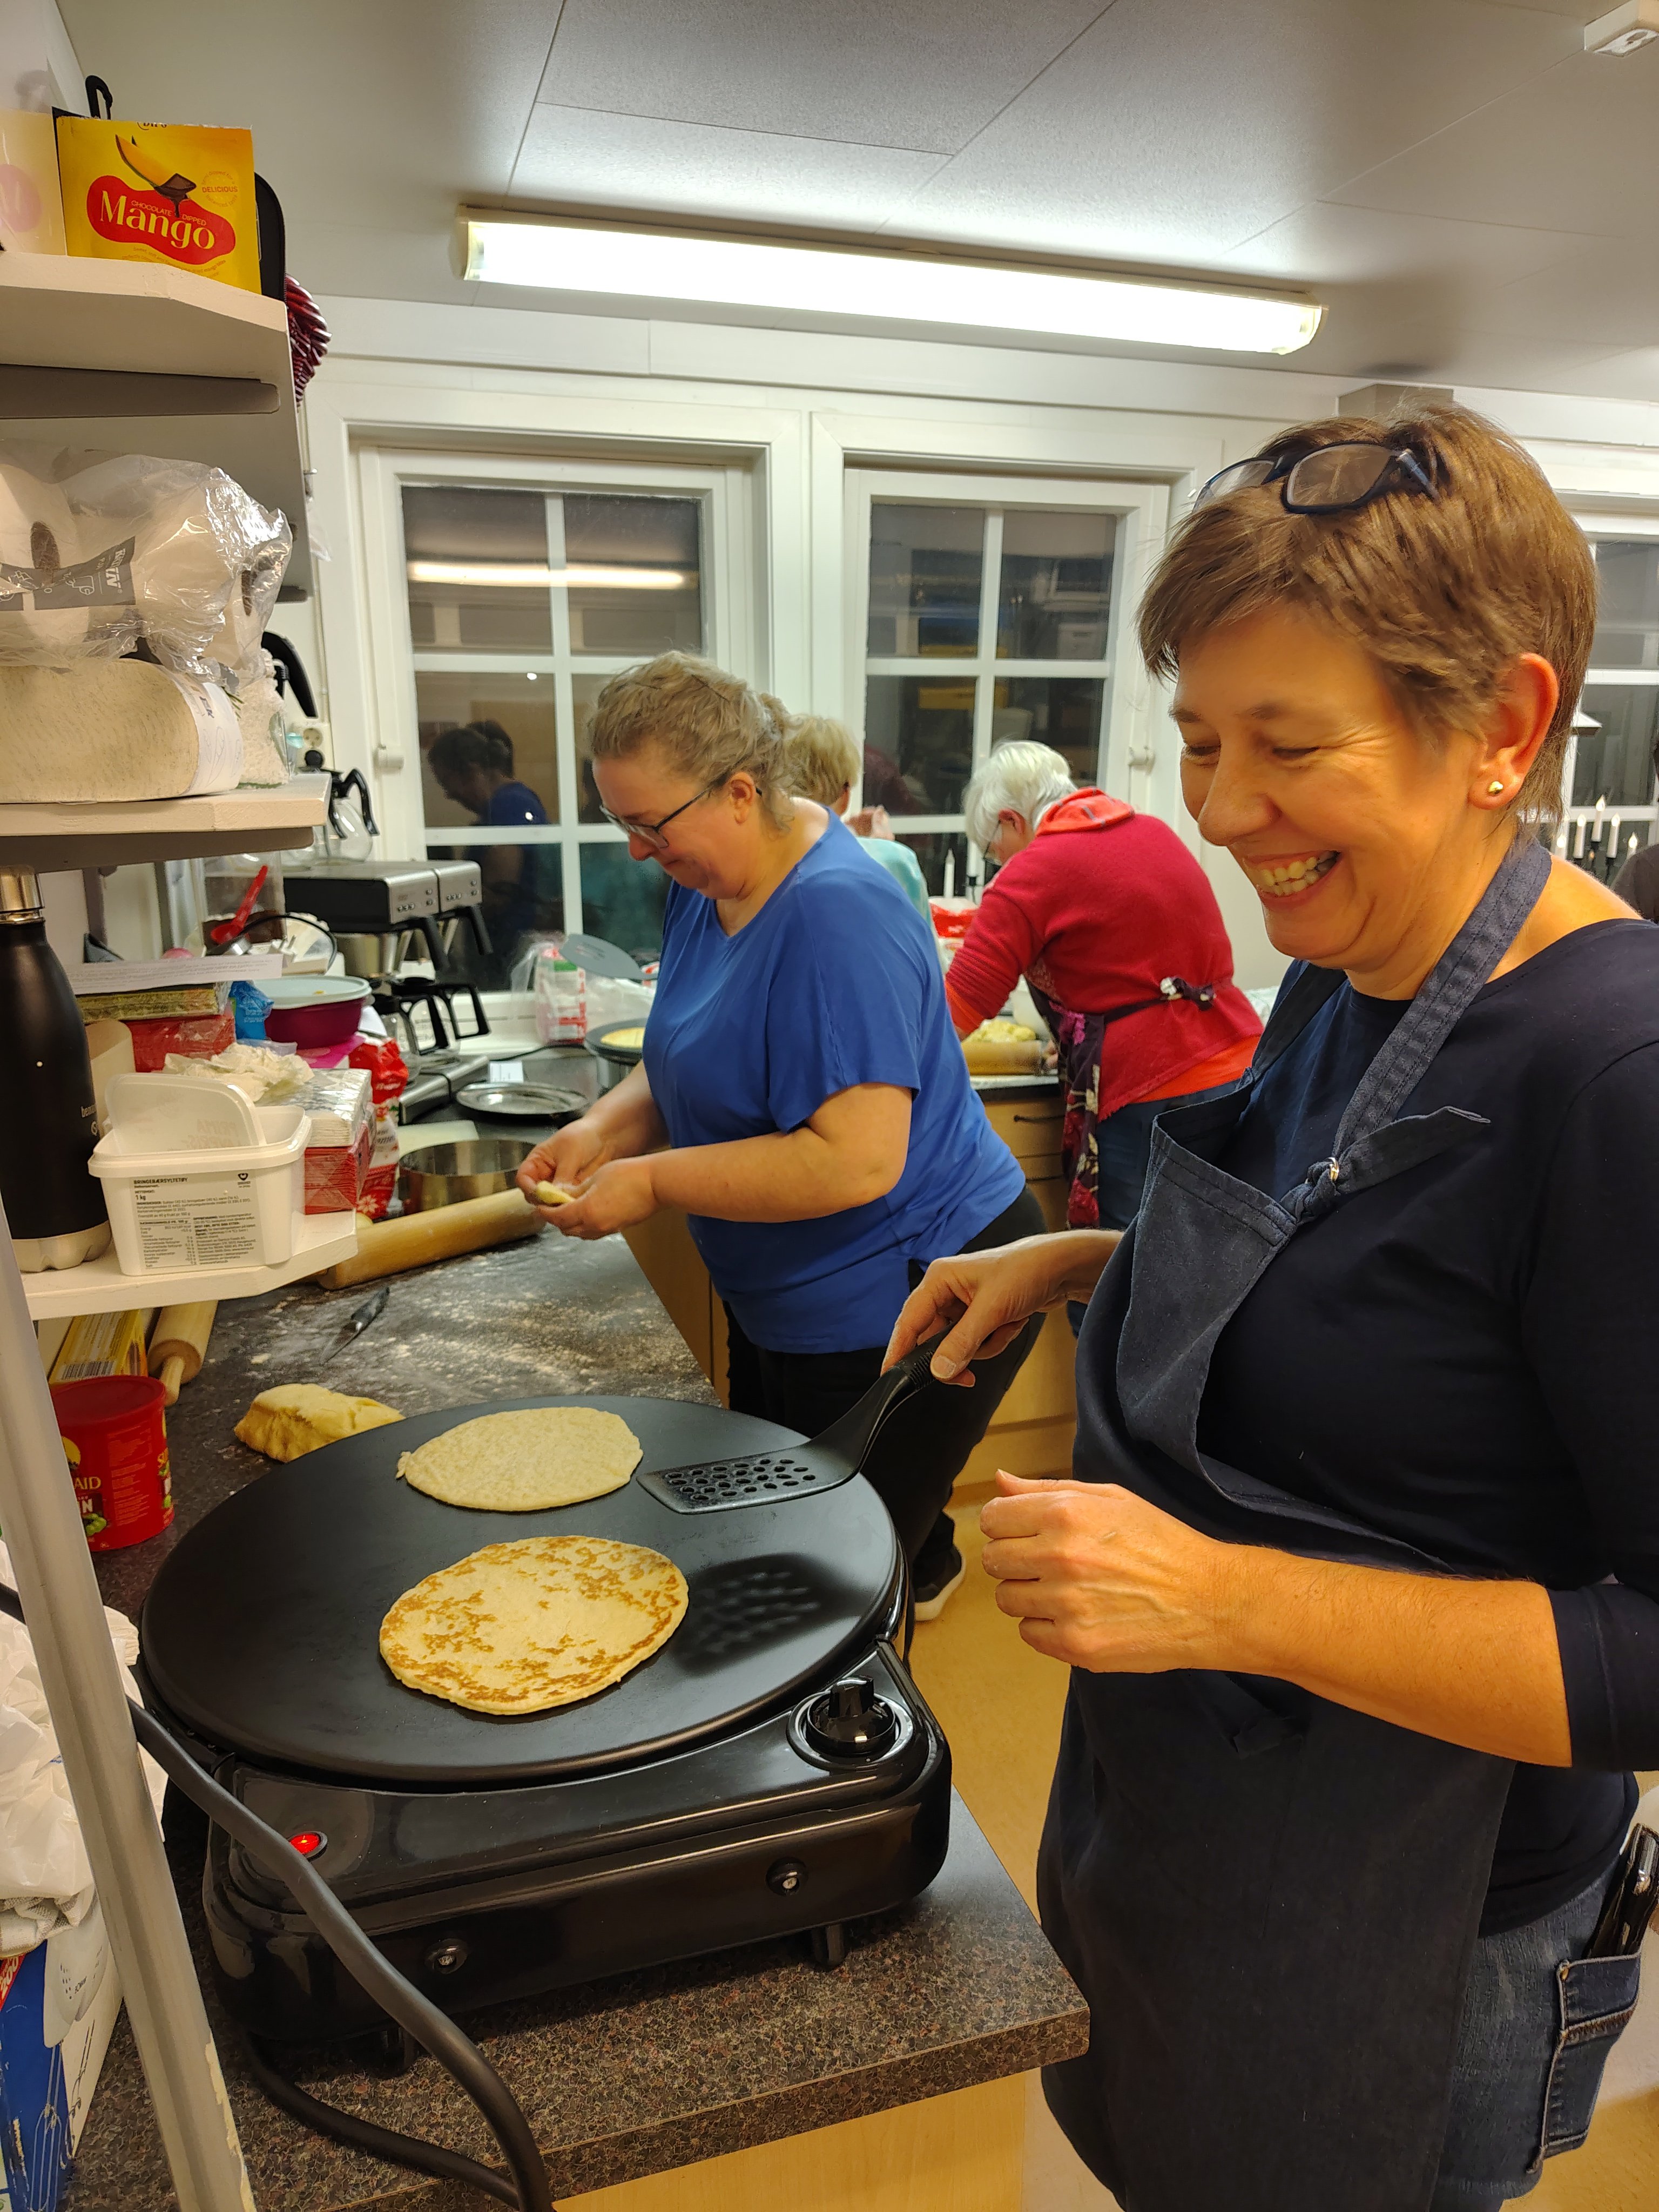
{"type": "Point", "coordinates": [935, 1586]}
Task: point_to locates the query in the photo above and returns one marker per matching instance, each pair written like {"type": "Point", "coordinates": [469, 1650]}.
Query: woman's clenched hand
{"type": "Point", "coordinates": [613, 1197]}
{"type": "Point", "coordinates": [567, 1158]}
{"type": "Point", "coordinates": [1099, 1579]}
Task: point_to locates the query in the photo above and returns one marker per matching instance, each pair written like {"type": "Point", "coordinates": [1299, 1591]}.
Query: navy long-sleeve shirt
{"type": "Point", "coordinates": [1467, 1355]}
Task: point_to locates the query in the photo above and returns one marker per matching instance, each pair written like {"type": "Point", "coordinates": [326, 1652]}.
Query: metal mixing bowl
{"type": "Point", "coordinates": [440, 1173]}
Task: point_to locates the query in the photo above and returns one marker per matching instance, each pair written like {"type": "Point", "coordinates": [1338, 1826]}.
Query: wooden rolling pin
{"type": "Point", "coordinates": [390, 1247]}
{"type": "Point", "coordinates": [178, 1345]}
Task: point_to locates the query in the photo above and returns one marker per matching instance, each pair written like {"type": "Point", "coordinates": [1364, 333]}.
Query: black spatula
{"type": "Point", "coordinates": [801, 1471]}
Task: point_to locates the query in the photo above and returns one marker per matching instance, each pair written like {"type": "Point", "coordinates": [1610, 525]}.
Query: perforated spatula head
{"type": "Point", "coordinates": [799, 1470]}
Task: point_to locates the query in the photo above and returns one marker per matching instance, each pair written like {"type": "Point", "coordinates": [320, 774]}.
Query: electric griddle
{"type": "Point", "coordinates": [770, 1770]}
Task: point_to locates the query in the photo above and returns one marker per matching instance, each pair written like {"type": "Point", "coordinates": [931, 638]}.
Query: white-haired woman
{"type": "Point", "coordinates": [801, 1096]}
{"type": "Point", "coordinates": [1114, 926]}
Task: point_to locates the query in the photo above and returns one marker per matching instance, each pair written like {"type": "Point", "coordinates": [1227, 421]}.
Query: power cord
{"type": "Point", "coordinates": [529, 2190]}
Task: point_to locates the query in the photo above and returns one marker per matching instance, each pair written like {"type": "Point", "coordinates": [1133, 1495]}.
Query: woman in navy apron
{"type": "Point", "coordinates": [1358, 1573]}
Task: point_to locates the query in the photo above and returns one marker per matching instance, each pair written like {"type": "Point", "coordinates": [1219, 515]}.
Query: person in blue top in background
{"type": "Point", "coordinates": [821, 762]}
{"type": "Point", "coordinates": [801, 1068]}
{"type": "Point", "coordinates": [474, 766]}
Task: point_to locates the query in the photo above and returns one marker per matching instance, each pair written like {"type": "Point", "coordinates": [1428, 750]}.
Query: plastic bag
{"type": "Point", "coordinates": [46, 1880]}
{"type": "Point", "coordinates": [266, 1078]}
{"type": "Point", "coordinates": [561, 998]}
{"type": "Point", "coordinates": [101, 552]}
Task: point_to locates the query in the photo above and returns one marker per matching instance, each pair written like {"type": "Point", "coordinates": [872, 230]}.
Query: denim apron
{"type": "Point", "coordinates": [1270, 1901]}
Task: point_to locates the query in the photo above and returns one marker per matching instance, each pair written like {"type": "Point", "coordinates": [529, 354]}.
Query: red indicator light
{"type": "Point", "coordinates": [308, 1843]}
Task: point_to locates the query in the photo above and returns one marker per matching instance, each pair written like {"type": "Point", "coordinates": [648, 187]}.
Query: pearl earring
{"type": "Point", "coordinates": [1494, 787]}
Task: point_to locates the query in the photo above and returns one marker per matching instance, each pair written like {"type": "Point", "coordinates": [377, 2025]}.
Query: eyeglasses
{"type": "Point", "coordinates": [650, 833]}
{"type": "Point", "coordinates": [1326, 480]}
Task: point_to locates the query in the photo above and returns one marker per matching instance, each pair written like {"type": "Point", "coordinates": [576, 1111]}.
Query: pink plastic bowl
{"type": "Point", "coordinates": [315, 1009]}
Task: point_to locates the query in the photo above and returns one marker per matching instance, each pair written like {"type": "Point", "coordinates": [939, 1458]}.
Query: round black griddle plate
{"type": "Point", "coordinates": [261, 1629]}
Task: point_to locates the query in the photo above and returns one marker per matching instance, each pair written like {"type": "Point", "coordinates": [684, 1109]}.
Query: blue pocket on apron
{"type": "Point", "coordinates": [1597, 1998]}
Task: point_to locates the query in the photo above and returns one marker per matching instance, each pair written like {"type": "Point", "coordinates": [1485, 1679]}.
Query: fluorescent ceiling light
{"type": "Point", "coordinates": [532, 575]}
{"type": "Point", "coordinates": [564, 257]}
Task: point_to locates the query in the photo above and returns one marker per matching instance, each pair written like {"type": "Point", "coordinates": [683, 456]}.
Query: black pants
{"type": "Point", "coordinates": [924, 1445]}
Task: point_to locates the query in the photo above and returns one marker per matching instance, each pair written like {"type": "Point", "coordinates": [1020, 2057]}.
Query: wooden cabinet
{"type": "Point", "coordinates": [1031, 1433]}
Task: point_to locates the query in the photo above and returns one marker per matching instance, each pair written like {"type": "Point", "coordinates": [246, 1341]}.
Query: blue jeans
{"type": "Point", "coordinates": [1123, 1151]}
{"type": "Point", "coordinates": [1538, 2020]}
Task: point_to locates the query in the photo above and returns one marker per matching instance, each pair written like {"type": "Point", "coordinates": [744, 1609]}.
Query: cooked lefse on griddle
{"type": "Point", "coordinates": [521, 1627]}
{"type": "Point", "coordinates": [527, 1461]}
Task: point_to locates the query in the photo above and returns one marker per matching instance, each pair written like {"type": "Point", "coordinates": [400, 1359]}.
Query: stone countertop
{"type": "Point", "coordinates": [657, 2070]}
{"type": "Point", "coordinates": [646, 2071]}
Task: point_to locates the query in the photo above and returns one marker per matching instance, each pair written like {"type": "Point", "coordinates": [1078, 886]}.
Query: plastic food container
{"type": "Point", "coordinates": [195, 1176]}
{"type": "Point", "coordinates": [311, 1011]}
{"type": "Point", "coordinates": [115, 1439]}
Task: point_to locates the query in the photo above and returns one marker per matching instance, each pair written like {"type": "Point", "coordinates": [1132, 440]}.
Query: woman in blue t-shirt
{"type": "Point", "coordinates": [801, 1068]}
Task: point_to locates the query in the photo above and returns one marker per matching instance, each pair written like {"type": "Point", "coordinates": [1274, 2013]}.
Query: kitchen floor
{"type": "Point", "coordinates": [1000, 1703]}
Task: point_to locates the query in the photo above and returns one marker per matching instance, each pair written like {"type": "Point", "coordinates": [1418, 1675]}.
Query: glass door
{"type": "Point", "coordinates": [1609, 784]}
{"type": "Point", "coordinates": [515, 600]}
{"type": "Point", "coordinates": [986, 618]}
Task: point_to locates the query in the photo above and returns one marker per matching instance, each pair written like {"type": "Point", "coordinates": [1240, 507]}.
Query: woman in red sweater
{"type": "Point", "coordinates": [1113, 924]}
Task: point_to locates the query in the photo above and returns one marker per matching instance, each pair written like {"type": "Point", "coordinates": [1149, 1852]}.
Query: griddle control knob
{"type": "Point", "coordinates": [786, 1876]}
{"type": "Point", "coordinates": [849, 1721]}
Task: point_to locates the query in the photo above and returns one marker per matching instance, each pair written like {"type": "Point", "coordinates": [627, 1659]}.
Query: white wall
{"type": "Point", "coordinates": [800, 409]}
{"type": "Point", "coordinates": [38, 67]}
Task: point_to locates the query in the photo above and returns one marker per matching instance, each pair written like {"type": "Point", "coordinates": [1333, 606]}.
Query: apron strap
{"type": "Point", "coordinates": [1459, 974]}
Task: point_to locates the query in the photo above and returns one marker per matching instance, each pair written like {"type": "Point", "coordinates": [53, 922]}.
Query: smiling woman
{"type": "Point", "coordinates": [1357, 1576]}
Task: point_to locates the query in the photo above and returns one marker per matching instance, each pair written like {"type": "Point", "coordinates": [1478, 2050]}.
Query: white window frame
{"type": "Point", "coordinates": [732, 626]}
{"type": "Point", "coordinates": [1579, 825]}
{"type": "Point", "coordinates": [1141, 512]}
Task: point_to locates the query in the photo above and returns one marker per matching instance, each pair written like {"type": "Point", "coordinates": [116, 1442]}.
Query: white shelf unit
{"type": "Point", "coordinates": [99, 1287]}
{"type": "Point", "coordinates": [97, 834]}
{"type": "Point", "coordinates": [140, 358]}
{"type": "Point", "coordinates": [185, 367]}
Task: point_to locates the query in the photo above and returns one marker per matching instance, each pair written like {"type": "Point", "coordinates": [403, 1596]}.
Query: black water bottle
{"type": "Point", "coordinates": [48, 1119]}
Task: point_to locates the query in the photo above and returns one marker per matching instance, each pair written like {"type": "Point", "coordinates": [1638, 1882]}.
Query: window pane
{"type": "Point", "coordinates": [1061, 711]}
{"type": "Point", "coordinates": [523, 899]}
{"type": "Point", "coordinates": [507, 771]}
{"type": "Point", "coordinates": [931, 851]}
{"type": "Point", "coordinates": [478, 577]}
{"type": "Point", "coordinates": [643, 557]}
{"type": "Point", "coordinates": [925, 569]}
{"type": "Point", "coordinates": [1615, 761]}
{"type": "Point", "coordinates": [918, 744]}
{"type": "Point", "coordinates": [1056, 585]}
{"type": "Point", "coordinates": [1627, 623]}
{"type": "Point", "coordinates": [585, 690]}
{"type": "Point", "coordinates": [622, 900]}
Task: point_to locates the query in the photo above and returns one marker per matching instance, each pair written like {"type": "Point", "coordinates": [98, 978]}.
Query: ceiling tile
{"type": "Point", "coordinates": [927, 74]}
{"type": "Point", "coordinates": [1326, 241]}
{"type": "Point", "coordinates": [1142, 143]}
{"type": "Point", "coordinates": [1574, 150]}
{"type": "Point", "coordinates": [629, 161]}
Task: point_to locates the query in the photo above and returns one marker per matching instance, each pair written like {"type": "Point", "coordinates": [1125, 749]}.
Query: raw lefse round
{"type": "Point", "coordinates": [520, 1627]}
{"type": "Point", "coordinates": [526, 1462]}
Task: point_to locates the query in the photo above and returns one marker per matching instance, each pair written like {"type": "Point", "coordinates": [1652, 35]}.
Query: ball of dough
{"type": "Point", "coordinates": [296, 1418]}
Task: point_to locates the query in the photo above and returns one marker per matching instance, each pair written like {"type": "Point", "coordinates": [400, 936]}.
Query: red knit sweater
{"type": "Point", "coordinates": [1100, 906]}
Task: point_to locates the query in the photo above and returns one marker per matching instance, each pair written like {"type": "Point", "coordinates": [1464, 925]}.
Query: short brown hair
{"type": "Point", "coordinates": [710, 724]}
{"type": "Point", "coordinates": [1443, 593]}
{"type": "Point", "coordinates": [821, 758]}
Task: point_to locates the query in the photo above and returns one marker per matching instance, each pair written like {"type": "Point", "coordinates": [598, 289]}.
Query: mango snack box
{"type": "Point", "coordinates": [182, 194]}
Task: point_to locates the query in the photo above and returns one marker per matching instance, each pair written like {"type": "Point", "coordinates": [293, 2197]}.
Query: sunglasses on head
{"type": "Point", "coordinates": [1326, 480]}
